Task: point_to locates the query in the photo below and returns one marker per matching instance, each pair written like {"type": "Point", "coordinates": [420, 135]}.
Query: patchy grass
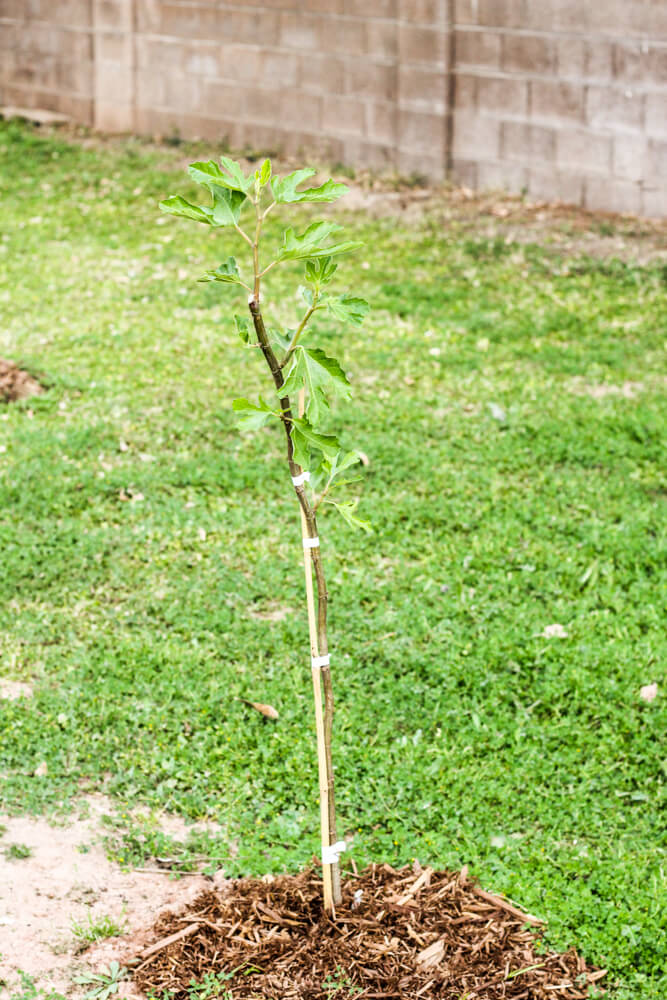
{"type": "Point", "coordinates": [96, 928]}
{"type": "Point", "coordinates": [507, 492]}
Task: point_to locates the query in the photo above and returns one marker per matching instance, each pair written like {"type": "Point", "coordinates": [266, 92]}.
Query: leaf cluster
{"type": "Point", "coordinates": [308, 372]}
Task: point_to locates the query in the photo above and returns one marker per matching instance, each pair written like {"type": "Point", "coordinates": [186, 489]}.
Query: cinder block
{"type": "Point", "coordinates": [418, 11]}
{"type": "Point", "coordinates": [300, 31]}
{"type": "Point", "coordinates": [654, 202]}
{"type": "Point", "coordinates": [630, 62]}
{"type": "Point", "coordinates": [476, 136]}
{"type": "Point", "coordinates": [623, 197]}
{"type": "Point", "coordinates": [477, 48]}
{"type": "Point", "coordinates": [236, 26]}
{"type": "Point", "coordinates": [113, 81]}
{"type": "Point", "coordinates": [110, 116]}
{"type": "Point", "coordinates": [238, 62]}
{"type": "Point", "coordinates": [328, 6]}
{"type": "Point", "coordinates": [656, 70]}
{"type": "Point", "coordinates": [579, 147]}
{"type": "Point", "coordinates": [382, 122]}
{"type": "Point", "coordinates": [256, 105]}
{"type": "Point", "coordinates": [215, 99]}
{"type": "Point", "coordinates": [553, 101]}
{"type": "Point", "coordinates": [150, 89]}
{"type": "Point", "coordinates": [422, 45]}
{"type": "Point", "coordinates": [200, 59]}
{"type": "Point", "coordinates": [112, 14]}
{"type": "Point", "coordinates": [465, 91]}
{"type": "Point", "coordinates": [322, 74]}
{"type": "Point", "coordinates": [571, 58]}
{"type": "Point", "coordinates": [501, 13]}
{"type": "Point", "coordinates": [113, 46]}
{"type": "Point", "coordinates": [599, 60]}
{"type": "Point", "coordinates": [297, 113]}
{"type": "Point", "coordinates": [549, 184]}
{"type": "Point", "coordinates": [369, 8]}
{"type": "Point", "coordinates": [280, 69]}
{"type": "Point", "coordinates": [419, 132]}
{"type": "Point", "coordinates": [527, 143]}
{"type": "Point", "coordinates": [382, 39]}
{"type": "Point", "coordinates": [502, 94]}
{"type": "Point", "coordinates": [528, 54]}
{"type": "Point", "coordinates": [368, 154]}
{"type": "Point", "coordinates": [501, 176]}
{"type": "Point", "coordinates": [343, 116]}
{"type": "Point", "coordinates": [466, 11]}
{"type": "Point", "coordinates": [629, 157]}
{"type": "Point", "coordinates": [428, 165]}
{"type": "Point", "coordinates": [610, 108]}
{"type": "Point", "coordinates": [160, 56]}
{"type": "Point", "coordinates": [184, 93]}
{"type": "Point", "coordinates": [570, 14]}
{"type": "Point", "coordinates": [375, 80]}
{"type": "Point", "coordinates": [656, 114]}
{"type": "Point", "coordinates": [464, 172]}
{"type": "Point", "coordinates": [620, 17]}
{"type": "Point", "coordinates": [657, 160]}
{"type": "Point", "coordinates": [344, 36]}
{"type": "Point", "coordinates": [148, 15]}
{"type": "Point", "coordinates": [76, 77]}
{"type": "Point", "coordinates": [423, 90]}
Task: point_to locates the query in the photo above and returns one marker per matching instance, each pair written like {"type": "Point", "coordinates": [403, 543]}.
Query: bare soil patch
{"type": "Point", "coordinates": [15, 383]}
{"type": "Point", "coordinates": [66, 878]}
{"type": "Point", "coordinates": [398, 934]}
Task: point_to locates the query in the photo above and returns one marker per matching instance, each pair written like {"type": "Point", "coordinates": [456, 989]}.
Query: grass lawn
{"type": "Point", "coordinates": [463, 734]}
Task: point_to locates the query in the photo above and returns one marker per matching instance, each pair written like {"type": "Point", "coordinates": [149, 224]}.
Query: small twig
{"type": "Point", "coordinates": [165, 942]}
{"type": "Point", "coordinates": [165, 871]}
{"type": "Point", "coordinates": [505, 905]}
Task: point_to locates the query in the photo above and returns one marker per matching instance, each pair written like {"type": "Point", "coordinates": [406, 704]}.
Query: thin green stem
{"type": "Point", "coordinates": [243, 234]}
{"type": "Point", "coordinates": [302, 326]}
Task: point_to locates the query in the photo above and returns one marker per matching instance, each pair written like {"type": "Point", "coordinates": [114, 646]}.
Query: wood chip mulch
{"type": "Point", "coordinates": [399, 934]}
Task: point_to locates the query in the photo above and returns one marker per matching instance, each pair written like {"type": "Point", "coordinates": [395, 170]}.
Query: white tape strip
{"type": "Point", "coordinates": [320, 661]}
{"type": "Point", "coordinates": [311, 543]}
{"type": "Point", "coordinates": [331, 853]}
{"type": "Point", "coordinates": [301, 479]}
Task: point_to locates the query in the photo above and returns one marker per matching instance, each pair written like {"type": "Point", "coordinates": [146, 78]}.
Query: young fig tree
{"type": "Point", "coordinates": [304, 379]}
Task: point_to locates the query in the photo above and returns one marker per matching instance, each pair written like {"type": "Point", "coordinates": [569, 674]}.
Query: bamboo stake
{"type": "Point", "coordinates": [322, 768]}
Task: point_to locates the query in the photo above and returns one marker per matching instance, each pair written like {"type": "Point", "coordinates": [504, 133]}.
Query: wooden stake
{"type": "Point", "coordinates": [319, 715]}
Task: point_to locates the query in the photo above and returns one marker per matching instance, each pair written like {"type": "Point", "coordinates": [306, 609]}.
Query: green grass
{"type": "Point", "coordinates": [463, 735]}
{"type": "Point", "coordinates": [96, 928]}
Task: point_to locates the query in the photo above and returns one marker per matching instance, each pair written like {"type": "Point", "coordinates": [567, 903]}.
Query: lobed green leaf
{"type": "Point", "coordinates": [285, 188]}
{"type": "Point", "coordinates": [253, 415]}
{"type": "Point", "coordinates": [306, 441]}
{"type": "Point", "coordinates": [348, 308]}
{"type": "Point", "coordinates": [346, 509]}
{"type": "Point", "coordinates": [227, 272]}
{"type": "Point", "coordinates": [315, 372]}
{"type": "Point", "coordinates": [308, 245]}
{"type": "Point", "coordinates": [175, 205]}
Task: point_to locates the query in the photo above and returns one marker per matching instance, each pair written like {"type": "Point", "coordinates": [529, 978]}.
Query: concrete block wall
{"type": "Point", "coordinates": [567, 101]}
{"type": "Point", "coordinates": [564, 100]}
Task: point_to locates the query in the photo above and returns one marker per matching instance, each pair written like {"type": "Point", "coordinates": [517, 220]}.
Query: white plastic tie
{"type": "Point", "coordinates": [320, 661]}
{"type": "Point", "coordinates": [302, 478]}
{"type": "Point", "coordinates": [332, 852]}
{"type": "Point", "coordinates": [311, 543]}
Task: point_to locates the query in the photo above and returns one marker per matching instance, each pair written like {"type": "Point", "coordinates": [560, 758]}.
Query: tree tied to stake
{"type": "Point", "coordinates": [318, 465]}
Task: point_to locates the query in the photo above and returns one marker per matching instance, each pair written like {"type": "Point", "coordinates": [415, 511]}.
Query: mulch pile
{"type": "Point", "coordinates": [403, 934]}
{"type": "Point", "coordinates": [16, 383]}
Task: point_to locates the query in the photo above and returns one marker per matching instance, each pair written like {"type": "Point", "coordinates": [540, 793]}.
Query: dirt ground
{"type": "Point", "coordinates": [67, 878]}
